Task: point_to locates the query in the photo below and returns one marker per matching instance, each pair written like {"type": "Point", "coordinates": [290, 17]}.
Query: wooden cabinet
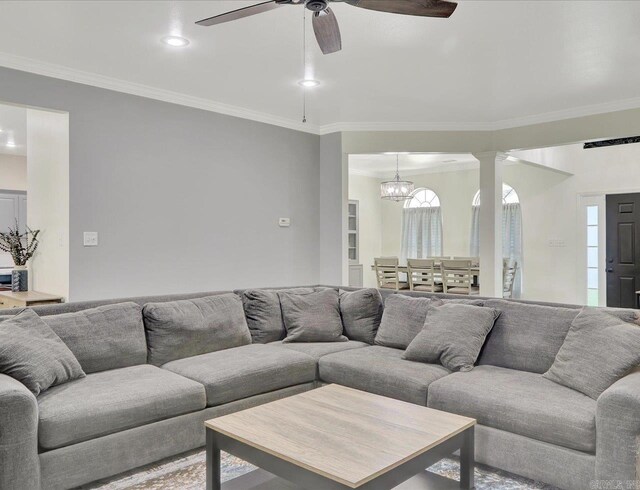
{"type": "Point", "coordinates": [13, 208]}
{"type": "Point", "coordinates": [353, 244]}
{"type": "Point", "coordinates": [355, 276]}
{"type": "Point", "coordinates": [353, 235]}
{"type": "Point", "coordinates": [9, 299]}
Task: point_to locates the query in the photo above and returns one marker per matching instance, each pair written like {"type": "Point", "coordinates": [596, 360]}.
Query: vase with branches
{"type": "Point", "coordinates": [21, 247]}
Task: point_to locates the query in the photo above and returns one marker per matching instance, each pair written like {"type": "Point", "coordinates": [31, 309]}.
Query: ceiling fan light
{"type": "Point", "coordinates": [308, 83]}
{"type": "Point", "coordinates": [175, 41]}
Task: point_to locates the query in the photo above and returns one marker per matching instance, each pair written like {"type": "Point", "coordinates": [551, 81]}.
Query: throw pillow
{"type": "Point", "coordinates": [103, 338]}
{"type": "Point", "coordinates": [600, 348]}
{"type": "Point", "coordinates": [264, 315]}
{"type": "Point", "coordinates": [402, 320]}
{"type": "Point", "coordinates": [34, 355]}
{"type": "Point", "coordinates": [361, 312]}
{"type": "Point", "coordinates": [312, 317]}
{"type": "Point", "coordinates": [453, 335]}
{"type": "Point", "coordinates": [187, 328]}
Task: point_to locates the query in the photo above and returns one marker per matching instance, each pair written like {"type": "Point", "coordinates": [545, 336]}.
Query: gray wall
{"type": "Point", "coordinates": [183, 199]}
{"type": "Point", "coordinates": [333, 213]}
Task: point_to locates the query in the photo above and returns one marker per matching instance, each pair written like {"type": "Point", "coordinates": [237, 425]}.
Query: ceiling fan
{"type": "Point", "coordinates": [325, 24]}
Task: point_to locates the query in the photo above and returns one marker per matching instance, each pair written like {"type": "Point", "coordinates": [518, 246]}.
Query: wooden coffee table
{"type": "Point", "coordinates": [338, 438]}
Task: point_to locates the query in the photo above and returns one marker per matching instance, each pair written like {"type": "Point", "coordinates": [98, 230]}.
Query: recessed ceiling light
{"type": "Point", "coordinates": [175, 41]}
{"type": "Point", "coordinates": [309, 83]}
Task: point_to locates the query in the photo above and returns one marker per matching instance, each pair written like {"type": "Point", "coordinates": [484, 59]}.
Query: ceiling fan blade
{"type": "Point", "coordinates": [425, 8]}
{"type": "Point", "coordinates": [240, 13]}
{"type": "Point", "coordinates": [325, 25]}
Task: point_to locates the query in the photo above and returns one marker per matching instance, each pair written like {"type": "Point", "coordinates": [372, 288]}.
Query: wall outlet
{"type": "Point", "coordinates": [90, 239]}
{"type": "Point", "coordinates": [284, 222]}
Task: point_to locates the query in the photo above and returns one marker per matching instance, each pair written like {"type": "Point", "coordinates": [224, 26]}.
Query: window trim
{"type": "Point", "coordinates": [507, 190]}
{"type": "Point", "coordinates": [407, 204]}
{"type": "Point", "coordinates": [584, 201]}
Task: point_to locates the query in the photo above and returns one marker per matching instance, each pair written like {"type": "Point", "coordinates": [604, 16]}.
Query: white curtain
{"type": "Point", "coordinates": [511, 238]}
{"type": "Point", "coordinates": [421, 233]}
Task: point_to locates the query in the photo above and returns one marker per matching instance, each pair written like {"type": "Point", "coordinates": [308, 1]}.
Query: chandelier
{"type": "Point", "coordinates": [396, 189]}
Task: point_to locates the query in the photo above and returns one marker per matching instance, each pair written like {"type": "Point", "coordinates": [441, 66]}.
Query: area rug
{"type": "Point", "coordinates": [187, 472]}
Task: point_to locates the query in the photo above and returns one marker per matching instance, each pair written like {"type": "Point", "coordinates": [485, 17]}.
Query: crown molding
{"type": "Point", "coordinates": [442, 168]}
{"type": "Point", "coordinates": [518, 122]}
{"type": "Point", "coordinates": [118, 85]}
{"type": "Point", "coordinates": [402, 126]}
{"type": "Point", "coordinates": [78, 76]}
{"type": "Point", "coordinates": [562, 115]}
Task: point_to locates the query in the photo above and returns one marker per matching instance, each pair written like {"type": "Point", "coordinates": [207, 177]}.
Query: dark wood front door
{"type": "Point", "coordinates": [623, 249]}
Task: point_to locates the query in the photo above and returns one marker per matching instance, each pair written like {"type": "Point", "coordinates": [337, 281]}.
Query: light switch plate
{"type": "Point", "coordinates": [90, 239]}
{"type": "Point", "coordinates": [284, 222]}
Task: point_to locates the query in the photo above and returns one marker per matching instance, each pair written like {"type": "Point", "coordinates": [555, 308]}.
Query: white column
{"type": "Point", "coordinates": [490, 223]}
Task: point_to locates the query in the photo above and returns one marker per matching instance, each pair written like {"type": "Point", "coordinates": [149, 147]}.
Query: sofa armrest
{"type": "Point", "coordinates": [618, 433]}
{"type": "Point", "coordinates": [19, 461]}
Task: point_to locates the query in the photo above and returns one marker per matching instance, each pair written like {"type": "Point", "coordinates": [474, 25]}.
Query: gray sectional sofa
{"type": "Point", "coordinates": [129, 411]}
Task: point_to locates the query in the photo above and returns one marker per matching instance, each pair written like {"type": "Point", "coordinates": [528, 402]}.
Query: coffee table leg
{"type": "Point", "coordinates": [213, 462]}
{"type": "Point", "coordinates": [467, 460]}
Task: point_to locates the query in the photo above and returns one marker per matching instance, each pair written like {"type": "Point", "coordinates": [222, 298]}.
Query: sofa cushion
{"type": "Point", "coordinates": [452, 336]}
{"type": "Point", "coordinates": [112, 401]}
{"type": "Point", "coordinates": [186, 328]}
{"type": "Point", "coordinates": [519, 402]}
{"type": "Point", "coordinates": [241, 372]}
{"type": "Point", "coordinates": [526, 337]}
{"type": "Point", "coordinates": [402, 320]}
{"type": "Point", "coordinates": [361, 313]}
{"type": "Point", "coordinates": [600, 348]}
{"type": "Point", "coordinates": [312, 317]}
{"type": "Point", "coordinates": [263, 313]}
{"type": "Point", "coordinates": [319, 349]}
{"type": "Point", "coordinates": [381, 370]}
{"type": "Point", "coordinates": [33, 354]}
{"type": "Point", "coordinates": [106, 337]}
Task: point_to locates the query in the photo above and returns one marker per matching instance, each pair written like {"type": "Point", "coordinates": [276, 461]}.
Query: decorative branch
{"type": "Point", "coordinates": [21, 246]}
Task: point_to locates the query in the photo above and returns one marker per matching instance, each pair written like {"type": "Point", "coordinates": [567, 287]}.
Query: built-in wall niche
{"type": "Point", "coordinates": [353, 244]}
{"type": "Point", "coordinates": [353, 232]}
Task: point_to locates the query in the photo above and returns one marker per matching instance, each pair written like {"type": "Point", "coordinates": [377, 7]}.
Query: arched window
{"type": "Point", "coordinates": [511, 233]}
{"type": "Point", "coordinates": [423, 198]}
{"type": "Point", "coordinates": [421, 226]}
{"type": "Point", "coordinates": [509, 196]}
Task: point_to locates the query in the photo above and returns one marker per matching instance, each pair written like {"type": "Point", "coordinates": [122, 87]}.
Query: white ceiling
{"type": "Point", "coordinates": [492, 64]}
{"type": "Point", "coordinates": [13, 128]}
{"type": "Point", "coordinates": [383, 166]}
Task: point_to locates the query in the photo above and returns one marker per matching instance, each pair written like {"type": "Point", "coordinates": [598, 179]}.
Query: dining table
{"type": "Point", "coordinates": [475, 271]}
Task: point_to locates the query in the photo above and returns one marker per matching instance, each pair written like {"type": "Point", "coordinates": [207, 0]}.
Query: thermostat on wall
{"type": "Point", "coordinates": [284, 222]}
{"type": "Point", "coordinates": [90, 238]}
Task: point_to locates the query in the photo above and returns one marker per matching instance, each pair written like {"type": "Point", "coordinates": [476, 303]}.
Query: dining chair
{"type": "Point", "coordinates": [475, 261]}
{"type": "Point", "coordinates": [423, 275]}
{"type": "Point", "coordinates": [509, 269]}
{"type": "Point", "coordinates": [387, 273]}
{"type": "Point", "coordinates": [457, 277]}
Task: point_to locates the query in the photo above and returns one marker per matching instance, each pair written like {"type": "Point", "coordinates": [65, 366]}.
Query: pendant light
{"type": "Point", "coordinates": [396, 190]}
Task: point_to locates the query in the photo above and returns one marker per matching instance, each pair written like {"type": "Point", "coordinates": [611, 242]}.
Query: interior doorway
{"type": "Point", "coordinates": [34, 169]}
{"type": "Point", "coordinates": [623, 249]}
